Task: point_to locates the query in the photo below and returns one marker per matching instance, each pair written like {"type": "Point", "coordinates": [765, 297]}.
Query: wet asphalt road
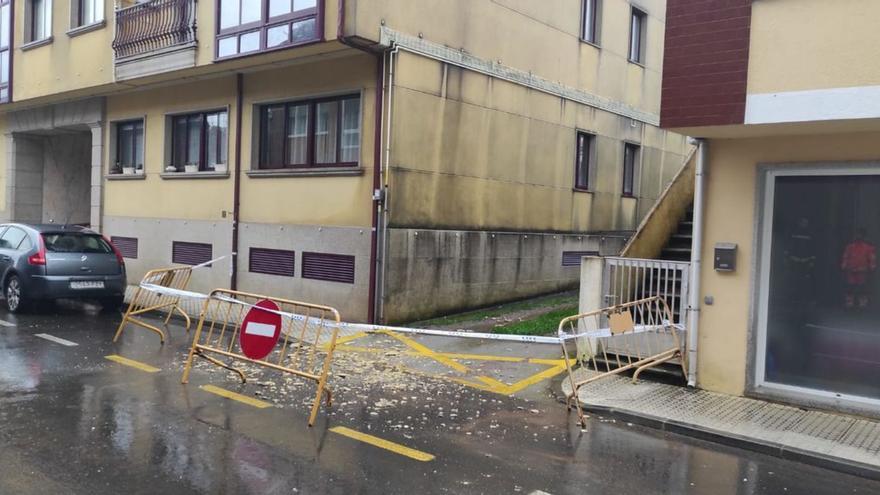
{"type": "Point", "coordinates": [73, 422]}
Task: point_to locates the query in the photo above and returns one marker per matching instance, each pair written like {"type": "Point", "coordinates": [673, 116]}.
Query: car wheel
{"type": "Point", "coordinates": [112, 304]}
{"type": "Point", "coordinates": [14, 293]}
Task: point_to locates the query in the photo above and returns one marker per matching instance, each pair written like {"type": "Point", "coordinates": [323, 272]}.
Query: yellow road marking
{"type": "Point", "coordinates": [537, 377]}
{"type": "Point", "coordinates": [383, 444]}
{"type": "Point", "coordinates": [349, 338]}
{"type": "Point", "coordinates": [131, 362]}
{"type": "Point", "coordinates": [424, 351]}
{"type": "Point", "coordinates": [228, 394]}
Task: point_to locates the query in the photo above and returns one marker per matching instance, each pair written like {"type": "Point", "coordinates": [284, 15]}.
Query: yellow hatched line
{"type": "Point", "coordinates": [537, 377]}
{"type": "Point", "coordinates": [450, 355]}
{"type": "Point", "coordinates": [228, 394]}
{"type": "Point", "coordinates": [383, 444]}
{"type": "Point", "coordinates": [132, 363]}
{"type": "Point", "coordinates": [425, 351]}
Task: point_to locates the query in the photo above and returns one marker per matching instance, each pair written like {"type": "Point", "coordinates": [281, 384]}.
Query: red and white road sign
{"type": "Point", "coordinates": [260, 330]}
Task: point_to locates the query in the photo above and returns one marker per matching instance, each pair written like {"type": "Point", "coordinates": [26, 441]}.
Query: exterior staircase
{"type": "Point", "coordinates": [678, 247]}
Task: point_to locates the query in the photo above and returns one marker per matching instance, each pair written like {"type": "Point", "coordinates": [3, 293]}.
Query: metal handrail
{"type": "Point", "coordinates": [154, 25]}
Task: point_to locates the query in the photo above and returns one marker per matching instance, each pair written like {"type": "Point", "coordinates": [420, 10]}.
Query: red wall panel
{"type": "Point", "coordinates": [706, 62]}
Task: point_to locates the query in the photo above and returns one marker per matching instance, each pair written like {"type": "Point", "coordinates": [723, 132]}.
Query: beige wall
{"type": "Point", "coordinates": [813, 44]}
{"type": "Point", "coordinates": [474, 152]}
{"type": "Point", "coordinates": [542, 37]}
{"type": "Point", "coordinates": [730, 217]}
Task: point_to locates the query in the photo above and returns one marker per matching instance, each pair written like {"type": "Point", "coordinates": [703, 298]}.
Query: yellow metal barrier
{"type": "Point", "coordinates": [145, 300]}
{"type": "Point", "coordinates": [640, 335]}
{"type": "Point", "coordinates": [307, 330]}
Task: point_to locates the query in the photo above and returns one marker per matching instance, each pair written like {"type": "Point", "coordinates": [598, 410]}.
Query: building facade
{"type": "Point", "coordinates": [787, 111]}
{"type": "Point", "coordinates": [392, 159]}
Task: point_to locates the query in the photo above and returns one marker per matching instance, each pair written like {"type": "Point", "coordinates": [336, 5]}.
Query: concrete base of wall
{"type": "Point", "coordinates": [432, 272]}
{"type": "Point", "coordinates": [155, 237]}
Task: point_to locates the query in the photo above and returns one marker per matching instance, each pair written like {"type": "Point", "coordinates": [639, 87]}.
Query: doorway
{"type": "Point", "coordinates": [819, 306]}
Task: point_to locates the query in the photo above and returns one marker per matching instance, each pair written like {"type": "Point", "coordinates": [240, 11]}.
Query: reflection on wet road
{"type": "Point", "coordinates": [73, 421]}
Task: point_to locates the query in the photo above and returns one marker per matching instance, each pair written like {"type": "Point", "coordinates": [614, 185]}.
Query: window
{"type": "Point", "coordinates": [583, 160]}
{"type": "Point", "coordinates": [38, 20]}
{"type": "Point", "coordinates": [630, 160]}
{"type": "Point", "coordinates": [314, 133]}
{"type": "Point", "coordinates": [5, 45]}
{"type": "Point", "coordinates": [12, 238]}
{"type": "Point", "coordinates": [637, 29]}
{"type": "Point", "coordinates": [198, 142]}
{"type": "Point", "coordinates": [86, 12]}
{"type": "Point", "coordinates": [129, 147]}
{"type": "Point", "coordinates": [248, 26]}
{"type": "Point", "coordinates": [590, 21]}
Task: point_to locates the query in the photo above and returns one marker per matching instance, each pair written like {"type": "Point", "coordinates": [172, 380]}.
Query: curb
{"type": "Point", "coordinates": [730, 439]}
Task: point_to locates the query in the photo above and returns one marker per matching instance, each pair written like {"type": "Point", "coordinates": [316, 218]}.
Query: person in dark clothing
{"type": "Point", "coordinates": [800, 260]}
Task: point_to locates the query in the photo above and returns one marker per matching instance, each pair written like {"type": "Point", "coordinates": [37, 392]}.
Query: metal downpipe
{"type": "Point", "coordinates": [693, 335]}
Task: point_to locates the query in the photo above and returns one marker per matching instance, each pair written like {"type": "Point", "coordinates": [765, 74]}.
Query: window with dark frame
{"type": "Point", "coordinates": [86, 12]}
{"type": "Point", "coordinates": [199, 141]}
{"type": "Point", "coordinates": [248, 26]}
{"type": "Point", "coordinates": [590, 21]}
{"type": "Point", "coordinates": [38, 15]}
{"type": "Point", "coordinates": [637, 32]}
{"type": "Point", "coordinates": [5, 49]}
{"type": "Point", "coordinates": [583, 160]}
{"type": "Point", "coordinates": [129, 146]}
{"type": "Point", "coordinates": [630, 160]}
{"type": "Point", "coordinates": [324, 132]}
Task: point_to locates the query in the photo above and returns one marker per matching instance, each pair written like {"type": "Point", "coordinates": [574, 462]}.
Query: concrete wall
{"type": "Point", "coordinates": [431, 272]}
{"type": "Point", "coordinates": [725, 326]}
{"type": "Point", "coordinates": [66, 178]}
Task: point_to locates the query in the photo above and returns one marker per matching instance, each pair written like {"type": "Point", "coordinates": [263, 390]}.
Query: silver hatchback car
{"type": "Point", "coordinates": [45, 262]}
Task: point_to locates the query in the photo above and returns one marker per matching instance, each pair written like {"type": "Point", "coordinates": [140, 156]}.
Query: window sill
{"type": "Point", "coordinates": [636, 63]}
{"type": "Point", "coordinates": [86, 28]}
{"type": "Point", "coordinates": [36, 44]}
{"type": "Point", "coordinates": [582, 190]}
{"type": "Point", "coordinates": [306, 172]}
{"type": "Point", "coordinates": [194, 175]}
{"type": "Point", "coordinates": [594, 44]}
{"type": "Point", "coordinates": [140, 176]}
{"type": "Point", "coordinates": [628, 196]}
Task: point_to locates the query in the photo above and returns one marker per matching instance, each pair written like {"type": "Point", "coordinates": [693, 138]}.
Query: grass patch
{"type": "Point", "coordinates": [540, 325]}
{"type": "Point", "coordinates": [504, 309]}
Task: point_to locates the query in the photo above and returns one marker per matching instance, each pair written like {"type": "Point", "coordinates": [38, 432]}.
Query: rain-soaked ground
{"type": "Point", "coordinates": [72, 421]}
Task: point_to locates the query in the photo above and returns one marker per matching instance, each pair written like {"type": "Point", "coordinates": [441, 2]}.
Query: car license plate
{"type": "Point", "coordinates": [87, 284]}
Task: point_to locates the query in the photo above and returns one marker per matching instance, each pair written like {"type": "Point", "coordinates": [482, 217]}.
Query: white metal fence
{"type": "Point", "coordinates": [629, 279]}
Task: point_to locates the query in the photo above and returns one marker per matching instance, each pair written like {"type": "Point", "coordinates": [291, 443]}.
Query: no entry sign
{"type": "Point", "coordinates": [260, 330]}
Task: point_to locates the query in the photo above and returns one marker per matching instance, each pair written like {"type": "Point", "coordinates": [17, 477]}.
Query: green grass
{"type": "Point", "coordinates": [504, 309]}
{"type": "Point", "coordinates": [539, 325]}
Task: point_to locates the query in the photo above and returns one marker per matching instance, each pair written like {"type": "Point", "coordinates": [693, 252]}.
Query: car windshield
{"type": "Point", "coordinates": [72, 242]}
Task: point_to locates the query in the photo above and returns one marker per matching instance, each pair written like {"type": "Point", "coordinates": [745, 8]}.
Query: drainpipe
{"type": "Point", "coordinates": [696, 259]}
{"type": "Point", "coordinates": [236, 184]}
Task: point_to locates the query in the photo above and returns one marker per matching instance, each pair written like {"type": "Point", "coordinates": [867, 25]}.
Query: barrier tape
{"type": "Point", "coordinates": [363, 327]}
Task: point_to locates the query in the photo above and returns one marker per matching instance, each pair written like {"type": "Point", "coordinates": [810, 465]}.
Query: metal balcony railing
{"type": "Point", "coordinates": [154, 25]}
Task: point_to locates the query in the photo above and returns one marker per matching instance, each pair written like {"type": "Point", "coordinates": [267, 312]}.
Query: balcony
{"type": "Point", "coordinates": [153, 37]}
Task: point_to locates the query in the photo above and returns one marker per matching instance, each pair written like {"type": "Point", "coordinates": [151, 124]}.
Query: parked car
{"type": "Point", "coordinates": [46, 262]}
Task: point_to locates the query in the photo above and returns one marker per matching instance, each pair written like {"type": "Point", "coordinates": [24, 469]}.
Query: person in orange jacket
{"type": "Point", "coordinates": [859, 261]}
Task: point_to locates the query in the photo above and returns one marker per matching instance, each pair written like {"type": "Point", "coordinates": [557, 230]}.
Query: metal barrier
{"type": "Point", "coordinates": [640, 335]}
{"type": "Point", "coordinates": [305, 331]}
{"type": "Point", "coordinates": [146, 300]}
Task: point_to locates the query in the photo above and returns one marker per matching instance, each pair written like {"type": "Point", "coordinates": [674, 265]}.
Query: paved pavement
{"type": "Point", "coordinates": [74, 421]}
{"type": "Point", "coordinates": [838, 441]}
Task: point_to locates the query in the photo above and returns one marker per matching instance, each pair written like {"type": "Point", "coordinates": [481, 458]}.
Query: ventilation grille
{"type": "Point", "coordinates": [573, 258]}
{"type": "Point", "coordinates": [330, 267]}
{"type": "Point", "coordinates": [271, 261]}
{"type": "Point", "coordinates": [191, 253]}
{"type": "Point", "coordinates": [127, 246]}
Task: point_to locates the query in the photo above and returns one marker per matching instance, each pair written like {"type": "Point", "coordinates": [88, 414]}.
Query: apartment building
{"type": "Point", "coordinates": [787, 108]}
{"type": "Point", "coordinates": [394, 159]}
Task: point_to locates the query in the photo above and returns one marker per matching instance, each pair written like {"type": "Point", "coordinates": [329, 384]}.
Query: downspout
{"type": "Point", "coordinates": [236, 184]}
{"type": "Point", "coordinates": [385, 173]}
{"type": "Point", "coordinates": [696, 260]}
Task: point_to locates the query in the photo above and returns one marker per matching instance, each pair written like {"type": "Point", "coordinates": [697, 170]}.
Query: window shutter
{"type": "Point", "coordinates": [573, 258]}
{"type": "Point", "coordinates": [127, 246]}
{"type": "Point", "coordinates": [191, 253]}
{"type": "Point", "coordinates": [271, 261]}
{"type": "Point", "coordinates": [329, 267]}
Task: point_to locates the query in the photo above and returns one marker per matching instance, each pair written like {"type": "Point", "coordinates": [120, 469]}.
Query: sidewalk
{"type": "Point", "coordinates": [839, 442]}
